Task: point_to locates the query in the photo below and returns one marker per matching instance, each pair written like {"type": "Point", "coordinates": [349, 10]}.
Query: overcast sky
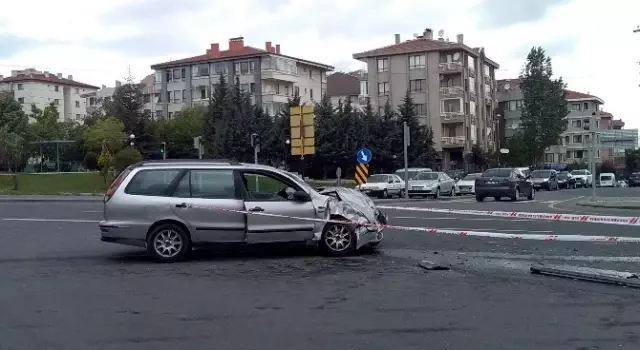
{"type": "Point", "coordinates": [591, 42]}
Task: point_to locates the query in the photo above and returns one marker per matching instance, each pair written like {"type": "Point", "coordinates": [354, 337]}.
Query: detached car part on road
{"type": "Point", "coordinates": [168, 207]}
{"type": "Point", "coordinates": [504, 182]}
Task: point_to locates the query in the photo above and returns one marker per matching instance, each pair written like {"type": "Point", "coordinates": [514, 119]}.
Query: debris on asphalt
{"type": "Point", "coordinates": [432, 266]}
{"type": "Point", "coordinates": [626, 279]}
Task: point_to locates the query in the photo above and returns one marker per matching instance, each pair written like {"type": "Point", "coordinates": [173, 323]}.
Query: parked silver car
{"type": "Point", "coordinates": [168, 207]}
{"type": "Point", "coordinates": [431, 183]}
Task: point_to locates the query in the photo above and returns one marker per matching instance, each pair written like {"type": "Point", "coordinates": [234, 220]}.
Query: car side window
{"type": "Point", "coordinates": [155, 182]}
{"type": "Point", "coordinates": [207, 183]}
{"type": "Point", "coordinates": [397, 179]}
{"type": "Point", "coordinates": [266, 187]}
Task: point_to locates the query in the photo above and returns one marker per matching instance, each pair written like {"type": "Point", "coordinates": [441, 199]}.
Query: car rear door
{"type": "Point", "coordinates": [525, 184]}
{"type": "Point", "coordinates": [273, 214]}
{"type": "Point", "coordinates": [211, 204]}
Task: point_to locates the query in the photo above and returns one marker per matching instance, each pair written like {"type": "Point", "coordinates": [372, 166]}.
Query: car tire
{"type": "Point", "coordinates": [497, 199]}
{"type": "Point", "coordinates": [516, 194]}
{"type": "Point", "coordinates": [452, 193]}
{"type": "Point", "coordinates": [169, 243]}
{"type": "Point", "coordinates": [479, 198]}
{"type": "Point", "coordinates": [401, 193]}
{"type": "Point", "coordinates": [437, 194]}
{"type": "Point", "coordinates": [338, 240]}
{"type": "Point", "coordinates": [532, 195]}
{"type": "Point", "coordinates": [385, 194]}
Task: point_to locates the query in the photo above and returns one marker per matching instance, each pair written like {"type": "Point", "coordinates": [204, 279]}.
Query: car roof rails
{"type": "Point", "coordinates": [187, 161]}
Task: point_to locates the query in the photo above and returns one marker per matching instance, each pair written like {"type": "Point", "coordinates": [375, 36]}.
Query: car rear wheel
{"type": "Point", "coordinates": [385, 193]}
{"type": "Point", "coordinates": [479, 198]}
{"type": "Point", "coordinates": [169, 243]}
{"type": "Point", "coordinates": [401, 194]}
{"type": "Point", "coordinates": [532, 194]}
{"type": "Point", "coordinates": [338, 240]}
{"type": "Point", "coordinates": [496, 198]}
{"type": "Point", "coordinates": [516, 194]}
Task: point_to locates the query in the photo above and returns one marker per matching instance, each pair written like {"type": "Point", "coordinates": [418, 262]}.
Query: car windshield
{"type": "Point", "coordinates": [378, 178]}
{"type": "Point", "coordinates": [411, 173]}
{"type": "Point", "coordinates": [579, 172]}
{"type": "Point", "coordinates": [563, 175]}
{"type": "Point", "coordinates": [471, 177]}
{"type": "Point", "coordinates": [497, 173]}
{"type": "Point", "coordinates": [541, 174]}
{"type": "Point", "coordinates": [606, 177]}
{"type": "Point", "coordinates": [426, 176]}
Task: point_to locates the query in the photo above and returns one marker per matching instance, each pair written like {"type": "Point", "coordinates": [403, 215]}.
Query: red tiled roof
{"type": "Point", "coordinates": [574, 95]}
{"type": "Point", "coordinates": [45, 79]}
{"type": "Point", "coordinates": [568, 94]}
{"type": "Point", "coordinates": [417, 45]}
{"type": "Point", "coordinates": [226, 54]}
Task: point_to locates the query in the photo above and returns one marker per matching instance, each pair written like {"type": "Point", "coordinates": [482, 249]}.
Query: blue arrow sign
{"type": "Point", "coordinates": [364, 155]}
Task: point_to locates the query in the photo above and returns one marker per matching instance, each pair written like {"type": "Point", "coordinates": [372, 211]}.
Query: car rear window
{"type": "Point", "coordinates": [497, 173]}
{"type": "Point", "coordinates": [578, 172]}
{"type": "Point", "coordinates": [153, 182]}
{"type": "Point", "coordinates": [606, 177]}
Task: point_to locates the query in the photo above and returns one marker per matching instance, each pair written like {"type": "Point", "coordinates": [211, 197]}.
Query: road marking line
{"type": "Point", "coordinates": [92, 211]}
{"type": "Point", "coordinates": [631, 259]}
{"type": "Point", "coordinates": [77, 221]}
{"type": "Point", "coordinates": [553, 205]}
{"type": "Point", "coordinates": [493, 229]}
{"type": "Point", "coordinates": [460, 218]}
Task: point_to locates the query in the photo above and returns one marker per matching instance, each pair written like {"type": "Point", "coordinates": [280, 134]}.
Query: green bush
{"type": "Point", "coordinates": [91, 160]}
{"type": "Point", "coordinates": [126, 157]}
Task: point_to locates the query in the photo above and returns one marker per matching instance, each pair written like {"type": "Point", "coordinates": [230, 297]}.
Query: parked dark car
{"type": "Point", "coordinates": [634, 180]}
{"type": "Point", "coordinates": [565, 180]}
{"type": "Point", "coordinates": [547, 179]}
{"type": "Point", "coordinates": [504, 182]}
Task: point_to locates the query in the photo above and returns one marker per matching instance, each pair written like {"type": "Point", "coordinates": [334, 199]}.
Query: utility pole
{"type": "Point", "coordinates": [255, 143]}
{"type": "Point", "coordinates": [406, 142]}
{"type": "Point", "coordinates": [590, 125]}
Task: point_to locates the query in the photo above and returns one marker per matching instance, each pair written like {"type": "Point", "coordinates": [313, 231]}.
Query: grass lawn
{"type": "Point", "coordinates": [55, 183]}
{"type": "Point", "coordinates": [69, 183]}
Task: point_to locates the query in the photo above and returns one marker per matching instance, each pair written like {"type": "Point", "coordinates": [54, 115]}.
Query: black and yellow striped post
{"type": "Point", "coordinates": [362, 173]}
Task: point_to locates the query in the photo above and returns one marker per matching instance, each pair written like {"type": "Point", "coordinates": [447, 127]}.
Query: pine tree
{"type": "Point", "coordinates": [215, 124]}
{"type": "Point", "coordinates": [420, 151]}
{"type": "Point", "coordinates": [544, 107]}
{"type": "Point", "coordinates": [328, 144]}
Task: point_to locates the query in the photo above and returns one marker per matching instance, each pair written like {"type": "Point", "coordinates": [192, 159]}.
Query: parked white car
{"type": "Point", "coordinates": [608, 180]}
{"type": "Point", "coordinates": [583, 178]}
{"type": "Point", "coordinates": [383, 186]}
{"type": "Point", "coordinates": [467, 185]}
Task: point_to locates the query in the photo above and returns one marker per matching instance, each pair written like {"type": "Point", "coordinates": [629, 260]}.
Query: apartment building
{"type": "Point", "coordinates": [341, 86]}
{"type": "Point", "coordinates": [575, 143]}
{"type": "Point", "coordinates": [95, 100]}
{"type": "Point", "coordinates": [269, 76]}
{"type": "Point", "coordinates": [33, 87]}
{"type": "Point", "coordinates": [452, 85]}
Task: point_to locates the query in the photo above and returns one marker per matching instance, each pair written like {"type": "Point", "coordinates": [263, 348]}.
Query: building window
{"type": "Point", "coordinates": [597, 124]}
{"type": "Point", "coordinates": [170, 115]}
{"type": "Point", "coordinates": [421, 109]}
{"type": "Point", "coordinates": [380, 110]}
{"type": "Point", "coordinates": [383, 65]}
{"type": "Point", "coordinates": [252, 88]}
{"type": "Point", "coordinates": [169, 96]}
{"type": "Point", "coordinates": [168, 75]}
{"type": "Point", "coordinates": [56, 102]}
{"type": "Point", "coordinates": [577, 138]}
{"type": "Point", "coordinates": [159, 113]}
{"type": "Point", "coordinates": [418, 85]}
{"type": "Point", "coordinates": [244, 87]}
{"type": "Point", "coordinates": [56, 88]}
{"type": "Point", "coordinates": [310, 74]}
{"type": "Point", "coordinates": [236, 68]}
{"type": "Point", "coordinates": [569, 155]}
{"type": "Point", "coordinates": [383, 89]}
{"type": "Point", "coordinates": [201, 70]}
{"type": "Point", "coordinates": [244, 67]}
{"type": "Point", "coordinates": [177, 96]}
{"type": "Point", "coordinates": [548, 157]}
{"type": "Point", "coordinates": [576, 123]}
{"type": "Point", "coordinates": [77, 116]}
{"type": "Point", "coordinates": [219, 68]}
{"type": "Point", "coordinates": [77, 91]}
{"type": "Point", "coordinates": [575, 106]}
{"type": "Point", "coordinates": [20, 99]}
{"type": "Point", "coordinates": [585, 106]}
{"type": "Point", "coordinates": [252, 66]}
{"type": "Point", "coordinates": [417, 62]}
{"type": "Point", "coordinates": [184, 96]}
{"type": "Point", "coordinates": [20, 87]}
{"type": "Point", "coordinates": [77, 104]}
{"type": "Point", "coordinates": [579, 154]}
{"type": "Point", "coordinates": [311, 93]}
{"type": "Point", "coordinates": [519, 104]}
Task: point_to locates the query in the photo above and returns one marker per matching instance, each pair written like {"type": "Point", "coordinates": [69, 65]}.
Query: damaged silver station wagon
{"type": "Point", "coordinates": [170, 207]}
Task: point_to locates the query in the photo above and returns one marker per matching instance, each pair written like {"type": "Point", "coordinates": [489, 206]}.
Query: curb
{"type": "Point", "coordinates": [610, 205]}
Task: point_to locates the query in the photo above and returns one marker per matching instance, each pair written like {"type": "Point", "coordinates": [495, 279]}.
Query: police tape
{"type": "Point", "coordinates": [601, 219]}
{"type": "Point", "coordinates": [469, 233]}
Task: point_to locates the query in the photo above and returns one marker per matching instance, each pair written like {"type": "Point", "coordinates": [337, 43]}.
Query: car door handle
{"type": "Point", "coordinates": [256, 209]}
{"type": "Point", "coordinates": [183, 205]}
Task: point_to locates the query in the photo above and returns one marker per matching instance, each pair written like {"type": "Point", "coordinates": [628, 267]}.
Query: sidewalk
{"type": "Point", "coordinates": [71, 197]}
{"type": "Point", "coordinates": [612, 202]}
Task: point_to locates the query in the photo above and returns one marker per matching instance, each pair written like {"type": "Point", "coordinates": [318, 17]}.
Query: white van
{"type": "Point", "coordinates": [607, 180]}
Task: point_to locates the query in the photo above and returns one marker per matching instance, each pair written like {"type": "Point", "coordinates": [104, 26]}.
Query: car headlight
{"type": "Point", "coordinates": [545, 180]}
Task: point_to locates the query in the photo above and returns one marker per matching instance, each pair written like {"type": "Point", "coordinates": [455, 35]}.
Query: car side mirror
{"type": "Point", "coordinates": [301, 196]}
{"type": "Point", "coordinates": [390, 181]}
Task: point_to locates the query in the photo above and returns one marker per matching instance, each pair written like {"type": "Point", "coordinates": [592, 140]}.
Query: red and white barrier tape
{"type": "Point", "coordinates": [601, 219]}
{"type": "Point", "coordinates": [534, 237]}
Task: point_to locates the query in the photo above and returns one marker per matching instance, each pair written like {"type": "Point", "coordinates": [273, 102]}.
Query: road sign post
{"type": "Point", "coordinates": [406, 141]}
{"type": "Point", "coordinates": [339, 176]}
{"type": "Point", "coordinates": [363, 157]}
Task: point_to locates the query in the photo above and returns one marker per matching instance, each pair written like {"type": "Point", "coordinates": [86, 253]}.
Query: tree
{"type": "Point", "coordinates": [420, 151]}
{"type": "Point", "coordinates": [105, 161]}
{"type": "Point", "coordinates": [544, 107]}
{"type": "Point", "coordinates": [215, 124]}
{"type": "Point", "coordinates": [326, 132]}
{"type": "Point", "coordinates": [11, 149]}
{"type": "Point", "coordinates": [478, 158]}
{"type": "Point", "coordinates": [632, 160]}
{"type": "Point", "coordinates": [11, 115]}
{"type": "Point", "coordinates": [91, 160]}
{"type": "Point", "coordinates": [46, 126]}
{"type": "Point", "coordinates": [179, 132]}
{"type": "Point", "coordinates": [106, 132]}
{"type": "Point", "coordinates": [126, 156]}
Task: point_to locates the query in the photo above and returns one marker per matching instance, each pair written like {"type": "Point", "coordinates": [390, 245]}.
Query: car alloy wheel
{"type": "Point", "coordinates": [338, 239]}
{"type": "Point", "coordinates": [436, 195]}
{"type": "Point", "coordinates": [169, 243]}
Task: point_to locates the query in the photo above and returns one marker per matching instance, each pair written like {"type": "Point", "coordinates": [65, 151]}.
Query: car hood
{"type": "Point", "coordinates": [345, 197]}
{"type": "Point", "coordinates": [539, 179]}
{"type": "Point", "coordinates": [466, 182]}
{"type": "Point", "coordinates": [423, 182]}
{"type": "Point", "coordinates": [374, 185]}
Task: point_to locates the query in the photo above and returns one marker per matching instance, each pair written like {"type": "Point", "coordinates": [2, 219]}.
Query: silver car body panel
{"type": "Point", "coordinates": [127, 218]}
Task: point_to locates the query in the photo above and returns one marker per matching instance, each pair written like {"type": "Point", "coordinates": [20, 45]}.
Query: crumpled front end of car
{"type": "Point", "coordinates": [365, 219]}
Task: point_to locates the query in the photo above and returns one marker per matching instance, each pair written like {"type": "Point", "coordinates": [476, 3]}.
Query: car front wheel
{"type": "Point", "coordinates": [532, 194]}
{"type": "Point", "coordinates": [479, 198]}
{"type": "Point", "coordinates": [338, 240]}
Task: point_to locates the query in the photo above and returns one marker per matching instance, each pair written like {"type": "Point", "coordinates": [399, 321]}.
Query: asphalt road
{"type": "Point", "coordinates": [61, 288]}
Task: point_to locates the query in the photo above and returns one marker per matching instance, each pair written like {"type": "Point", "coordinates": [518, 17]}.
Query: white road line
{"type": "Point", "coordinates": [491, 229]}
{"type": "Point", "coordinates": [92, 211]}
{"type": "Point", "coordinates": [631, 259]}
{"type": "Point", "coordinates": [461, 218]}
{"type": "Point", "coordinates": [76, 221]}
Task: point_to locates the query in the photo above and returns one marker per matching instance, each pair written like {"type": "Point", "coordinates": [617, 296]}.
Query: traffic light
{"type": "Point", "coordinates": [163, 147]}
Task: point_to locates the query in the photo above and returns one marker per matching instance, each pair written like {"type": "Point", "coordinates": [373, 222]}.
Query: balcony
{"type": "Point", "coordinates": [453, 141]}
{"type": "Point", "coordinates": [451, 117]}
{"type": "Point", "coordinates": [450, 67]}
{"type": "Point", "coordinates": [362, 99]}
{"type": "Point", "coordinates": [472, 72]}
{"type": "Point", "coordinates": [452, 92]}
{"type": "Point", "coordinates": [273, 96]}
{"type": "Point", "coordinates": [280, 75]}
